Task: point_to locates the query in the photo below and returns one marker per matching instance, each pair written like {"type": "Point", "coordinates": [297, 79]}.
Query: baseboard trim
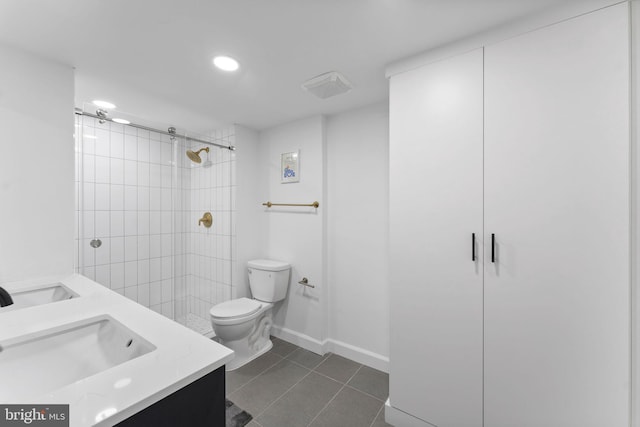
{"type": "Point", "coordinates": [398, 418]}
{"type": "Point", "coordinates": [357, 354]}
{"type": "Point", "coordinates": [340, 348]}
{"type": "Point", "coordinates": [299, 339]}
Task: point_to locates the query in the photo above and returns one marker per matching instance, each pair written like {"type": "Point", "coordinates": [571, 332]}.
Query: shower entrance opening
{"type": "Point", "coordinates": [155, 214]}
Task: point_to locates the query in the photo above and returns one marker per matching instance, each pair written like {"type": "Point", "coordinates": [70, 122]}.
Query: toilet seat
{"type": "Point", "coordinates": [235, 309]}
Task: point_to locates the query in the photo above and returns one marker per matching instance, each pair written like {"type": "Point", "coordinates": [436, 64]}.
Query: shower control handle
{"type": "Point", "coordinates": [206, 220]}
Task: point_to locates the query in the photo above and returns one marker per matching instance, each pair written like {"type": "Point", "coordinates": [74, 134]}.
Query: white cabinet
{"type": "Point", "coordinates": [530, 144]}
{"type": "Point", "coordinates": [436, 206]}
{"type": "Point", "coordinates": [557, 199]}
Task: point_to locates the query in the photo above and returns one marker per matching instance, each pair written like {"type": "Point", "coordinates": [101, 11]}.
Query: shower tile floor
{"type": "Point", "coordinates": [291, 387]}
{"type": "Point", "coordinates": [196, 323]}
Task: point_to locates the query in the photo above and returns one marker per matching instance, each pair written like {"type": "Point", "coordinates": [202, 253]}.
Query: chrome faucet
{"type": "Point", "coordinates": [5, 298]}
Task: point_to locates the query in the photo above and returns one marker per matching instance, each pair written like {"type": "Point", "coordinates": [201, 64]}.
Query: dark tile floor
{"type": "Point", "coordinates": [292, 387]}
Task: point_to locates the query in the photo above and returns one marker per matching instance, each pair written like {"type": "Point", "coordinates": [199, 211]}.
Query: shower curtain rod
{"type": "Point", "coordinates": [188, 138]}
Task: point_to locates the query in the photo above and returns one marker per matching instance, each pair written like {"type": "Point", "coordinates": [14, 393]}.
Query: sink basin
{"type": "Point", "coordinates": [37, 296]}
{"type": "Point", "coordinates": [37, 363]}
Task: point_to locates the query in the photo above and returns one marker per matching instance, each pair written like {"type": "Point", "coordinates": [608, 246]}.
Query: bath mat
{"type": "Point", "coordinates": [236, 417]}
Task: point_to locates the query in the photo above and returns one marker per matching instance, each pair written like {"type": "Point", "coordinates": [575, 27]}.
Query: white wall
{"type": "Point", "coordinates": [250, 221]}
{"type": "Point", "coordinates": [36, 166]}
{"type": "Point", "coordinates": [357, 232]}
{"type": "Point", "coordinates": [340, 247]}
{"type": "Point", "coordinates": [295, 234]}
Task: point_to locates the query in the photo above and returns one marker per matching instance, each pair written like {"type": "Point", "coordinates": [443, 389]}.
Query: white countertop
{"type": "Point", "coordinates": [104, 399]}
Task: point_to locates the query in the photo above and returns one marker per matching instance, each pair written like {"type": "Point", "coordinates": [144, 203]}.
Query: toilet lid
{"type": "Point", "coordinates": [235, 308]}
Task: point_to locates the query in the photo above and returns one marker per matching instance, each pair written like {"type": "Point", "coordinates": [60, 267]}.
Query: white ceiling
{"type": "Point", "coordinates": [153, 57]}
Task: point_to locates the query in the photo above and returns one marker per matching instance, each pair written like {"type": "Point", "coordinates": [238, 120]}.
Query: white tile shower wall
{"type": "Point", "coordinates": [126, 186]}
{"type": "Point", "coordinates": [209, 254]}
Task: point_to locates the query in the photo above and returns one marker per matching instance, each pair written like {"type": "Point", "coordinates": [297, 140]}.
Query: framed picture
{"type": "Point", "coordinates": [290, 167]}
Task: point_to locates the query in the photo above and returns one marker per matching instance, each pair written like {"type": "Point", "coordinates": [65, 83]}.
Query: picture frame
{"type": "Point", "coordinates": [290, 167]}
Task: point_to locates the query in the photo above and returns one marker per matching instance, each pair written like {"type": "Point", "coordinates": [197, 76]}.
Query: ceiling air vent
{"type": "Point", "coordinates": [327, 85]}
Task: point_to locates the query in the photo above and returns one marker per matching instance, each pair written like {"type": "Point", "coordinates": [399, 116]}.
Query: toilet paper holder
{"type": "Point", "coordinates": [305, 282]}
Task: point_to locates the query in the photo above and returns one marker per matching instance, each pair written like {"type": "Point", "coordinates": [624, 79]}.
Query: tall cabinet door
{"type": "Point", "coordinates": [435, 206]}
{"type": "Point", "coordinates": [557, 201]}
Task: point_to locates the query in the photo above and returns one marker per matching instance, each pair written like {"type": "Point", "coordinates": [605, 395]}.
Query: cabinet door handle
{"type": "Point", "coordinates": [493, 247]}
{"type": "Point", "coordinates": [473, 246]}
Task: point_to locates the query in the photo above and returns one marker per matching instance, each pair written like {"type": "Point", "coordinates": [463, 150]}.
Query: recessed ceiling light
{"type": "Point", "coordinates": [103, 104]}
{"type": "Point", "coordinates": [225, 63]}
{"type": "Point", "coordinates": [121, 121]}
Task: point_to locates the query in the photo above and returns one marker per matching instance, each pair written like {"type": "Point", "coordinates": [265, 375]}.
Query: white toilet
{"type": "Point", "coordinates": [243, 324]}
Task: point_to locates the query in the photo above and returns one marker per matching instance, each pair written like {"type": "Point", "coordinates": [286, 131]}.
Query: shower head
{"type": "Point", "coordinates": [195, 156]}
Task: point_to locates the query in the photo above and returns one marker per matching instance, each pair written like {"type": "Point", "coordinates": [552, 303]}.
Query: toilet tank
{"type": "Point", "coordinates": [268, 279]}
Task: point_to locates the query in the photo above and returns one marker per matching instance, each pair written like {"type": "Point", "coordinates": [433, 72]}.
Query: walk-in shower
{"type": "Point", "coordinates": [142, 199]}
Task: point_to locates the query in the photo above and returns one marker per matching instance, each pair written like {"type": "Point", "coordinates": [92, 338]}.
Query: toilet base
{"type": "Point", "coordinates": [242, 360]}
{"type": "Point", "coordinates": [255, 344]}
